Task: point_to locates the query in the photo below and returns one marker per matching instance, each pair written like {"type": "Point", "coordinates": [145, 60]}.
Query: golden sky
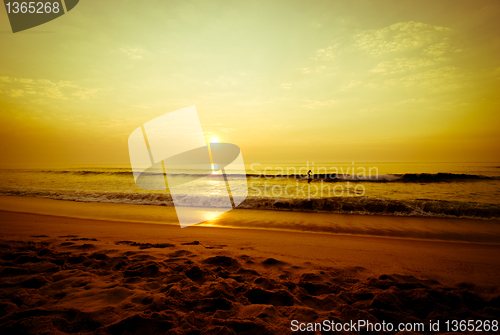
{"type": "Point", "coordinates": [287, 81]}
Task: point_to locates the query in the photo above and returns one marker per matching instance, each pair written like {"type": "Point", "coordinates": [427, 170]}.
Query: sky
{"type": "Point", "coordinates": [286, 81]}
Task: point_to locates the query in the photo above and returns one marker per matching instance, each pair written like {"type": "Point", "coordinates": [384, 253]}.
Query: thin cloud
{"type": "Point", "coordinates": [60, 90]}
{"type": "Point", "coordinates": [133, 53]}
{"type": "Point", "coordinates": [400, 65]}
{"type": "Point", "coordinates": [398, 37]}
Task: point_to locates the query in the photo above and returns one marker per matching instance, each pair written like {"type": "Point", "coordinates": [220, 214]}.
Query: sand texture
{"type": "Point", "coordinates": [102, 277]}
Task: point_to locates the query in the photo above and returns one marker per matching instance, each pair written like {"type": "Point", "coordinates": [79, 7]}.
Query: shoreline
{"type": "Point", "coordinates": [430, 259]}
{"type": "Point", "coordinates": [460, 230]}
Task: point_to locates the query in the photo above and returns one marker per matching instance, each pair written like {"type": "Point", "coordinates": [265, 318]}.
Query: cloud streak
{"type": "Point", "coordinates": [402, 36]}
{"type": "Point", "coordinates": [53, 90]}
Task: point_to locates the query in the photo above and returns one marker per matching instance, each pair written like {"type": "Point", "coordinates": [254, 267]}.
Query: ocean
{"type": "Point", "coordinates": [464, 190]}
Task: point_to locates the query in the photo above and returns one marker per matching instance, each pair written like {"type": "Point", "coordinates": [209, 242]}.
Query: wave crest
{"type": "Point", "coordinates": [340, 205]}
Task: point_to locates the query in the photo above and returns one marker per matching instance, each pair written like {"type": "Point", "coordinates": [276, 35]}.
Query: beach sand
{"type": "Point", "coordinates": [61, 274]}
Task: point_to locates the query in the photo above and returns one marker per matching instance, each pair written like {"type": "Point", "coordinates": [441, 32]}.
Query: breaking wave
{"type": "Point", "coordinates": [402, 178]}
{"type": "Point", "coordinates": [341, 205]}
{"type": "Point", "coordinates": [377, 206]}
{"type": "Point", "coordinates": [333, 177]}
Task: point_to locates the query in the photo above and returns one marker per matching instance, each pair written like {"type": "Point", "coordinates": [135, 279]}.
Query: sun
{"type": "Point", "coordinates": [214, 139]}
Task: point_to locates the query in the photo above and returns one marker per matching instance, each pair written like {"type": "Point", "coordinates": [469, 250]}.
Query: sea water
{"type": "Point", "coordinates": [405, 189]}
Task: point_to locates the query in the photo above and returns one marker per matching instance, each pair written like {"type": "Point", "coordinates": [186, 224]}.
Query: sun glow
{"type": "Point", "coordinates": [214, 139]}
